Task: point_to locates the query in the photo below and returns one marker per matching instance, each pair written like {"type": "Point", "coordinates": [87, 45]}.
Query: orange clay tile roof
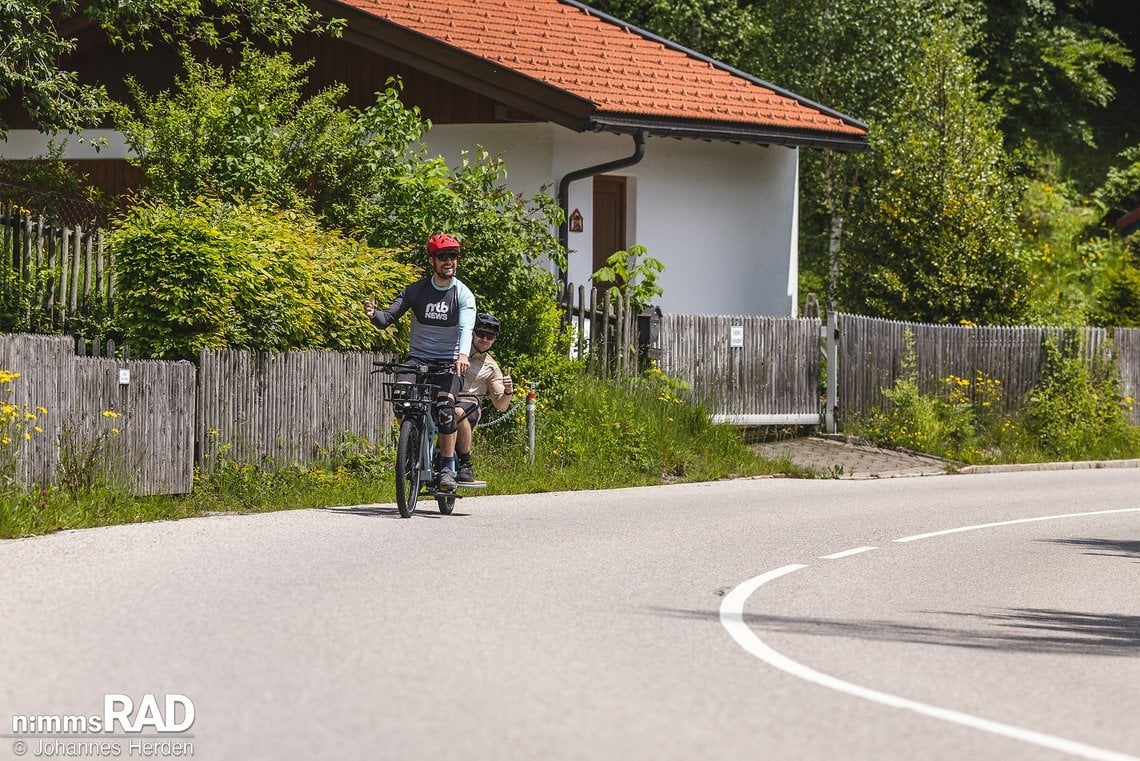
{"type": "Point", "coordinates": [621, 70]}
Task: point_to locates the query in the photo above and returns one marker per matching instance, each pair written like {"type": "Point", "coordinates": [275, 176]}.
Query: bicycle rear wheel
{"type": "Point", "coordinates": [408, 466]}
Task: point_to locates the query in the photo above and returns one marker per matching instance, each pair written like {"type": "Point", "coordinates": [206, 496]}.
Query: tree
{"type": "Point", "coordinates": [849, 55]}
{"type": "Point", "coordinates": [1047, 65]}
{"type": "Point", "coordinates": [934, 237]}
{"type": "Point", "coordinates": [36, 34]}
{"type": "Point", "coordinates": [1120, 192]}
{"type": "Point", "coordinates": [248, 136]}
{"type": "Point", "coordinates": [722, 29]}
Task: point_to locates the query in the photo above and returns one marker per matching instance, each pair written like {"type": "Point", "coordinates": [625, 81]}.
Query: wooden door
{"type": "Point", "coordinates": [609, 217]}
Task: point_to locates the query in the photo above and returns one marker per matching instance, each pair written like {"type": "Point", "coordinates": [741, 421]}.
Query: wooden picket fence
{"type": "Point", "coordinates": [1126, 352]}
{"type": "Point", "coordinates": [605, 331]}
{"type": "Point", "coordinates": [65, 270]}
{"type": "Point", "coordinates": [873, 353]}
{"type": "Point", "coordinates": [746, 370]}
{"type": "Point", "coordinates": [155, 420]}
{"type": "Point", "coordinates": [288, 407]}
{"type": "Point", "coordinates": [296, 407]}
{"type": "Point", "coordinates": [140, 414]}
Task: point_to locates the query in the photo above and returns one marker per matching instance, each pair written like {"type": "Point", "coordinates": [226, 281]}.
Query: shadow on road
{"type": "Point", "coordinates": [390, 511]}
{"type": "Point", "coordinates": [1120, 548]}
{"type": "Point", "coordinates": [1026, 630]}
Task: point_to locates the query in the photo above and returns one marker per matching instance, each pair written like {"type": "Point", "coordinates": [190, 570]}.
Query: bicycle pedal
{"type": "Point", "coordinates": [442, 494]}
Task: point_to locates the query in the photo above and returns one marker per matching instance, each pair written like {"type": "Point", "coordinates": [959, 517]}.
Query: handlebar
{"type": "Point", "coordinates": [419, 368]}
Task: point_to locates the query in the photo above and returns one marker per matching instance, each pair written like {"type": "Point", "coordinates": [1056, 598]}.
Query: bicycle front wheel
{"type": "Point", "coordinates": [408, 466]}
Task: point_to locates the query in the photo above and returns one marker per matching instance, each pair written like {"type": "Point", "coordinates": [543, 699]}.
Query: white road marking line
{"type": "Point", "coordinates": [732, 619]}
{"type": "Point", "coordinates": [916, 537]}
{"type": "Point", "coordinates": [847, 553]}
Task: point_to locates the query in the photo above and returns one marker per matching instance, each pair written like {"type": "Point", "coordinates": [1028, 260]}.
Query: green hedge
{"type": "Point", "coordinates": [215, 274]}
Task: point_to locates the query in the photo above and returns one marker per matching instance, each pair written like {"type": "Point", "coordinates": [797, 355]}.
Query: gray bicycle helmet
{"type": "Point", "coordinates": [487, 321]}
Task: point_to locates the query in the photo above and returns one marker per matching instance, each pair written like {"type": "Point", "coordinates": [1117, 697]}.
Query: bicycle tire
{"type": "Point", "coordinates": [446, 505]}
{"type": "Point", "coordinates": [408, 466]}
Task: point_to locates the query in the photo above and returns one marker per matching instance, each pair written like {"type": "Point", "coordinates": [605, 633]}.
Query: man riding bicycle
{"type": "Point", "coordinates": [483, 378]}
{"type": "Point", "coordinates": [443, 315]}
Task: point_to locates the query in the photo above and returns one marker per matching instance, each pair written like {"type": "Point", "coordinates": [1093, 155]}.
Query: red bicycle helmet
{"type": "Point", "coordinates": [441, 242]}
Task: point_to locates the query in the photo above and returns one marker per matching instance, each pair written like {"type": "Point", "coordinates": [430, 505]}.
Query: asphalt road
{"type": "Point", "coordinates": [752, 619]}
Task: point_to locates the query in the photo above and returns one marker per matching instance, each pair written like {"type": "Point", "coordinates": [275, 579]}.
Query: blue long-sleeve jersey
{"type": "Point", "coordinates": [442, 318]}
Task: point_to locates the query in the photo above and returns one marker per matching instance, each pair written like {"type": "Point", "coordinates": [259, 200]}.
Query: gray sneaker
{"type": "Point", "coordinates": [446, 480]}
{"type": "Point", "coordinates": [466, 474]}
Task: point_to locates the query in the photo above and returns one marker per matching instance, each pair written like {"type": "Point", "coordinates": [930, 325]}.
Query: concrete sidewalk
{"type": "Point", "coordinates": [839, 456]}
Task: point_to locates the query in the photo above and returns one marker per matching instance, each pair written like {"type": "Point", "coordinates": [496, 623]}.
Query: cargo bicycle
{"type": "Point", "coordinates": [417, 454]}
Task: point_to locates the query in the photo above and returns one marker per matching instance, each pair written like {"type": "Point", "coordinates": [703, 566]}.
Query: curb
{"type": "Point", "coordinates": [1028, 466]}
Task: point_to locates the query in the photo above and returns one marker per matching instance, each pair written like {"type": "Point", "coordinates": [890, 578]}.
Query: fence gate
{"type": "Point", "coordinates": [747, 370]}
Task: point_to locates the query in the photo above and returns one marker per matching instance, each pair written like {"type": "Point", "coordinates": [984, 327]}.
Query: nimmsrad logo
{"type": "Point", "coordinates": [120, 714]}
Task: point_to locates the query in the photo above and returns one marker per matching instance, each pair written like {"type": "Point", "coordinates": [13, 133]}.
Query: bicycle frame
{"type": "Point", "coordinates": [412, 402]}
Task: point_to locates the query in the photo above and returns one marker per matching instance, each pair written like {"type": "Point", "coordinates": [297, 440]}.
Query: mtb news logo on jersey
{"type": "Point", "coordinates": [437, 311]}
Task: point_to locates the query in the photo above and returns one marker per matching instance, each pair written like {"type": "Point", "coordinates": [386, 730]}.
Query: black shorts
{"type": "Point", "coordinates": [470, 409]}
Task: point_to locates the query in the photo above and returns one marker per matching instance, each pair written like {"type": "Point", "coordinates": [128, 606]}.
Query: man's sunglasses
{"type": "Point", "coordinates": [486, 334]}
{"type": "Point", "coordinates": [446, 256]}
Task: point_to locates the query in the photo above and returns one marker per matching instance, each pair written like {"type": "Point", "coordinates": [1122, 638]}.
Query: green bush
{"type": "Point", "coordinates": [944, 425]}
{"type": "Point", "coordinates": [216, 275]}
{"type": "Point", "coordinates": [1117, 300]}
{"type": "Point", "coordinates": [504, 238]}
{"type": "Point", "coordinates": [593, 433]}
{"type": "Point", "coordinates": [1077, 411]}
{"type": "Point", "coordinates": [248, 135]}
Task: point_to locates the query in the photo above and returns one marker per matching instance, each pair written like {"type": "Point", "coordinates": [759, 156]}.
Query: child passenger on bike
{"type": "Point", "coordinates": [443, 314]}
{"type": "Point", "coordinates": [483, 378]}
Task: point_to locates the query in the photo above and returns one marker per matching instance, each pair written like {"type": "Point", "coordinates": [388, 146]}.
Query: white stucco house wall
{"type": "Point", "coordinates": [707, 157]}
{"type": "Point", "coordinates": [721, 216]}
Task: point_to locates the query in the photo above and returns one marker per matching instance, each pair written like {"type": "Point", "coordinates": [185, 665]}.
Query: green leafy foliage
{"type": "Point", "coordinates": [55, 98]}
{"type": "Point", "coordinates": [935, 238]}
{"type": "Point", "coordinates": [1120, 192]}
{"type": "Point", "coordinates": [633, 275]}
{"type": "Point", "coordinates": [1117, 300]}
{"type": "Point", "coordinates": [1067, 256]}
{"type": "Point", "coordinates": [214, 275]}
{"type": "Point", "coordinates": [726, 31]}
{"type": "Point", "coordinates": [1048, 65]}
{"type": "Point", "coordinates": [248, 134]}
{"type": "Point", "coordinates": [1077, 411]}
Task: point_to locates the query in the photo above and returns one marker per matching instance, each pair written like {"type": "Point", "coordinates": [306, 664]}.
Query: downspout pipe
{"type": "Point", "coordinates": [590, 171]}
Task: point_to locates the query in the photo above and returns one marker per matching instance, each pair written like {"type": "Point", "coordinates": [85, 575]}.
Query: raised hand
{"type": "Point", "coordinates": [370, 306]}
{"type": "Point", "coordinates": [508, 384]}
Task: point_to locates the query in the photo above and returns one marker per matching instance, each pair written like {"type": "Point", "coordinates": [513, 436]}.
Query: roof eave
{"type": "Point", "coordinates": [475, 73]}
{"type": "Point", "coordinates": [850, 120]}
{"type": "Point", "coordinates": [728, 132]}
